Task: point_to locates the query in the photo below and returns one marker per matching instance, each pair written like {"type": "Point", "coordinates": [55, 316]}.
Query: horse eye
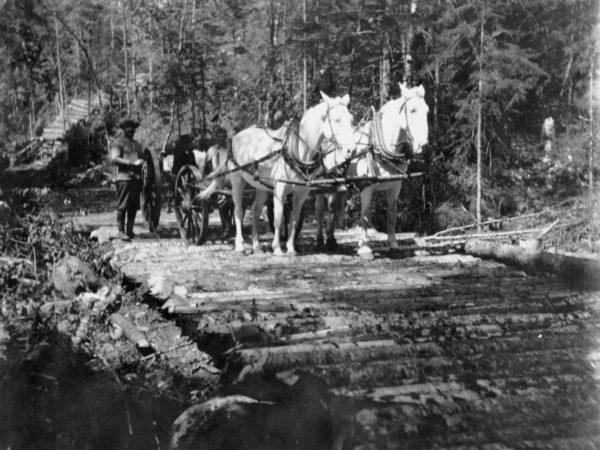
{"type": "Point", "coordinates": [413, 110]}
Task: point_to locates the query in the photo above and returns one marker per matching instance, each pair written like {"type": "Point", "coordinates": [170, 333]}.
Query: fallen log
{"type": "Point", "coordinates": [496, 235]}
{"type": "Point", "coordinates": [131, 332]}
{"type": "Point", "coordinates": [576, 272]}
{"type": "Point", "coordinates": [306, 354]}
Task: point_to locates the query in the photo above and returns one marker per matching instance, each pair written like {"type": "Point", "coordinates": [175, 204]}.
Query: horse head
{"type": "Point", "coordinates": [413, 117]}
{"type": "Point", "coordinates": [336, 125]}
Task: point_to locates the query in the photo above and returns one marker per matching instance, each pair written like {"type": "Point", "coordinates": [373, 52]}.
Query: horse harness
{"type": "Point", "coordinates": [290, 141]}
{"type": "Point", "coordinates": [377, 142]}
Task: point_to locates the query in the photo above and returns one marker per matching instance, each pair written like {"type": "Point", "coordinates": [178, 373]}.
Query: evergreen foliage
{"type": "Point", "coordinates": [242, 62]}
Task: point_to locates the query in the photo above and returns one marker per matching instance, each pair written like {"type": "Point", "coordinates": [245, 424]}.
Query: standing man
{"type": "Point", "coordinates": [126, 155]}
{"type": "Point", "coordinates": [216, 156]}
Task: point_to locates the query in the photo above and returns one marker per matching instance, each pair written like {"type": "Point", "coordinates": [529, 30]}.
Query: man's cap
{"type": "Point", "coordinates": [127, 122]}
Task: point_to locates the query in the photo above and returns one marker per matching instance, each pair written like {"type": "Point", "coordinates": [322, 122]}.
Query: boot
{"type": "Point", "coordinates": [121, 225]}
{"type": "Point", "coordinates": [131, 222]}
{"type": "Point", "coordinates": [225, 221]}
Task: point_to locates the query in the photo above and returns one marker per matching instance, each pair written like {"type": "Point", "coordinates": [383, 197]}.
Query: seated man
{"type": "Point", "coordinates": [183, 154]}
{"type": "Point", "coordinates": [216, 162]}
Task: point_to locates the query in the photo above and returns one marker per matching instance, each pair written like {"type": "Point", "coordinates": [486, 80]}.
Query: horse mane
{"type": "Point", "coordinates": [389, 104]}
{"type": "Point", "coordinates": [414, 92]}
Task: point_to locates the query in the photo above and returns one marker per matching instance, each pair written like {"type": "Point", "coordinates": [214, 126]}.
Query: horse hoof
{"type": "Point", "coordinates": [239, 249]}
{"type": "Point", "coordinates": [278, 252]}
{"type": "Point", "coordinates": [366, 253]}
{"type": "Point", "coordinates": [258, 251]}
{"type": "Point", "coordinates": [291, 253]}
{"type": "Point", "coordinates": [332, 245]}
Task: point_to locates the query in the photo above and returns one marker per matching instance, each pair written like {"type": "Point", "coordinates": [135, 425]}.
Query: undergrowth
{"type": "Point", "coordinates": [54, 393]}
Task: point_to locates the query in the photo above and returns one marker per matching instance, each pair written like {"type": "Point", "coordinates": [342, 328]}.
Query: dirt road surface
{"type": "Point", "coordinates": [429, 351]}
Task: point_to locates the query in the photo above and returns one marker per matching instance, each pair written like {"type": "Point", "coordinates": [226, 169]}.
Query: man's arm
{"type": "Point", "coordinates": [116, 157]}
{"type": "Point", "coordinates": [169, 149]}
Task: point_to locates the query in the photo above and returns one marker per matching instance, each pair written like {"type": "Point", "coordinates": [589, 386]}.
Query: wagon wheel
{"type": "Point", "coordinates": [191, 214]}
{"type": "Point", "coordinates": [287, 209]}
{"type": "Point", "coordinates": [150, 198]}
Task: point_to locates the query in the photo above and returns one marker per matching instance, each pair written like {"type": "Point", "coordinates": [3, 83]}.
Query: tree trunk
{"type": "Point", "coordinates": [436, 92]}
{"type": "Point", "coordinates": [384, 72]}
{"type": "Point", "coordinates": [61, 92]}
{"type": "Point", "coordinates": [32, 107]}
{"type": "Point", "coordinates": [126, 58]}
{"type": "Point", "coordinates": [283, 48]}
{"type": "Point", "coordinates": [479, 112]}
{"type": "Point", "coordinates": [202, 95]}
{"type": "Point", "coordinates": [591, 117]}
{"type": "Point", "coordinates": [304, 62]}
{"type": "Point", "coordinates": [272, 43]}
{"type": "Point", "coordinates": [353, 52]}
{"type": "Point", "coordinates": [179, 49]}
{"type": "Point", "coordinates": [193, 74]}
{"type": "Point", "coordinates": [77, 51]}
{"type": "Point", "coordinates": [408, 42]}
{"type": "Point", "coordinates": [111, 63]}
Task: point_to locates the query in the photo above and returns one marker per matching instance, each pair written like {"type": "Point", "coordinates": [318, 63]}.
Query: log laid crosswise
{"type": "Point", "coordinates": [78, 109]}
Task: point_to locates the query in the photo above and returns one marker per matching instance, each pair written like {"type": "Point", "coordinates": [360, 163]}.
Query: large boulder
{"type": "Point", "coordinates": [71, 276]}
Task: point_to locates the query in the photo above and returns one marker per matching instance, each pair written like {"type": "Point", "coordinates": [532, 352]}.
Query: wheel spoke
{"type": "Point", "coordinates": [184, 219]}
{"type": "Point", "coordinates": [190, 229]}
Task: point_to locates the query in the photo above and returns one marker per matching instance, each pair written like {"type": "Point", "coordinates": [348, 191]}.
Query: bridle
{"type": "Point", "coordinates": [405, 136]}
{"type": "Point", "coordinates": [308, 170]}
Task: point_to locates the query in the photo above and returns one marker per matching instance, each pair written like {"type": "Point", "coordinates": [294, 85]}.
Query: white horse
{"type": "Point", "coordinates": [284, 161]}
{"type": "Point", "coordinates": [380, 145]}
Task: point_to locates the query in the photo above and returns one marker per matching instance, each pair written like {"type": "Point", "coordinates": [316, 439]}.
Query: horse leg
{"type": "Point", "coordinates": [237, 191]}
{"type": "Point", "coordinates": [332, 203]}
{"type": "Point", "coordinates": [364, 251]}
{"type": "Point", "coordinates": [259, 201]}
{"type": "Point", "coordinates": [279, 197]}
{"type": "Point", "coordinates": [341, 209]}
{"type": "Point", "coordinates": [319, 198]}
{"type": "Point", "coordinates": [300, 197]}
{"type": "Point", "coordinates": [392, 199]}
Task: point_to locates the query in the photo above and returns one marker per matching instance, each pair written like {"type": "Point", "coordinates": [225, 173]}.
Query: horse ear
{"type": "Point", "coordinates": [346, 99]}
{"type": "Point", "coordinates": [421, 91]}
{"type": "Point", "coordinates": [325, 97]}
{"type": "Point", "coordinates": [403, 88]}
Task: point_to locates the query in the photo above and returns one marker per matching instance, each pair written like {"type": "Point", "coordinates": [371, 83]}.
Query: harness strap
{"type": "Point", "coordinates": [291, 140]}
{"type": "Point", "coordinates": [249, 167]}
{"type": "Point", "coordinates": [380, 150]}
